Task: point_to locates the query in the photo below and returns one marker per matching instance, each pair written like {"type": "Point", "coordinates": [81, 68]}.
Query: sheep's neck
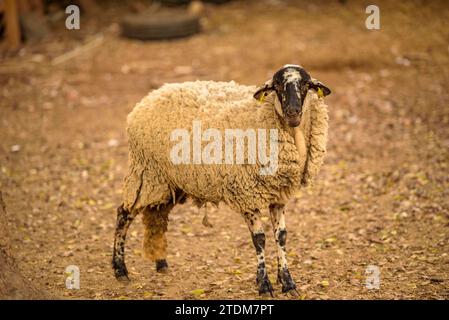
{"type": "Point", "coordinates": [298, 133]}
{"type": "Point", "coordinates": [301, 146]}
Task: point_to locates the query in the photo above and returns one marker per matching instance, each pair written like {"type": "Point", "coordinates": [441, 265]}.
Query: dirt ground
{"type": "Point", "coordinates": [382, 197]}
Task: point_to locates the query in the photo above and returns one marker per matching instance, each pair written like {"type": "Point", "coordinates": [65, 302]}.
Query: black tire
{"type": "Point", "coordinates": [160, 26]}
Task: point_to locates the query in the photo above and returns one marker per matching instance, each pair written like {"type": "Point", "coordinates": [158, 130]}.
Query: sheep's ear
{"type": "Point", "coordinates": [319, 87]}
{"type": "Point", "coordinates": [261, 93]}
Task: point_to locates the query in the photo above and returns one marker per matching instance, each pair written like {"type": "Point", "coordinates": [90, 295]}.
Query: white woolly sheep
{"type": "Point", "coordinates": [163, 173]}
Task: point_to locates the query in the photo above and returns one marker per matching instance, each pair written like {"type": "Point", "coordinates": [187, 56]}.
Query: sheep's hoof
{"type": "Point", "coordinates": [121, 275]}
{"type": "Point", "coordinates": [120, 271]}
{"type": "Point", "coordinates": [288, 285]}
{"type": "Point", "coordinates": [123, 279]}
{"type": "Point", "coordinates": [161, 266]}
{"type": "Point", "coordinates": [292, 293]}
{"type": "Point", "coordinates": [265, 287]}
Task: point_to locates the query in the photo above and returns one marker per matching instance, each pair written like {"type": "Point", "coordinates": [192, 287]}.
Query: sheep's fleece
{"type": "Point", "coordinates": [154, 180]}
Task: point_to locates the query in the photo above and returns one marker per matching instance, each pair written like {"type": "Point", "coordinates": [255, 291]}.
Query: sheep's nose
{"type": "Point", "coordinates": [292, 112]}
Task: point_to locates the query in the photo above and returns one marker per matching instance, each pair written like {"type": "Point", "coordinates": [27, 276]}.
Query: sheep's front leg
{"type": "Point", "coordinates": [257, 233]}
{"type": "Point", "coordinates": [280, 234]}
{"type": "Point", "coordinates": [124, 219]}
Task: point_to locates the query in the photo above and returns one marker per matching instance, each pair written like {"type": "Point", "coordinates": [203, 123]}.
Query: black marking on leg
{"type": "Point", "coordinates": [120, 271]}
{"type": "Point", "coordinates": [258, 241]}
{"type": "Point", "coordinates": [261, 272]}
{"type": "Point", "coordinates": [122, 217]}
{"type": "Point", "coordinates": [262, 280]}
{"type": "Point", "coordinates": [118, 255]}
{"type": "Point", "coordinates": [285, 278]}
{"type": "Point", "coordinates": [282, 237]}
{"type": "Point", "coordinates": [265, 286]}
{"type": "Point", "coordinates": [161, 265]}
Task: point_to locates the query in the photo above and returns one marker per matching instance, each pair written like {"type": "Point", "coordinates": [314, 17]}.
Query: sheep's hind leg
{"type": "Point", "coordinates": [155, 242]}
{"type": "Point", "coordinates": [280, 234]}
{"type": "Point", "coordinates": [124, 219]}
{"type": "Point", "coordinates": [257, 233]}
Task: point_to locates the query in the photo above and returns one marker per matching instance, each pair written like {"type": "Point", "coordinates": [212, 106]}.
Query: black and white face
{"type": "Point", "coordinates": [291, 84]}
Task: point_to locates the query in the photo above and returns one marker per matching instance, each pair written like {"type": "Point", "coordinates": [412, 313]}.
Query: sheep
{"type": "Point", "coordinates": [162, 174]}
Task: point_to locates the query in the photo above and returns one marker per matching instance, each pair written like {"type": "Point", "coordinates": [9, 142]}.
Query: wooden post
{"type": "Point", "coordinates": [12, 24]}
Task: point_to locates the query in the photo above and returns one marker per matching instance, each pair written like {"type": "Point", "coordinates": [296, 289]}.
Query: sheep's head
{"type": "Point", "coordinates": [291, 84]}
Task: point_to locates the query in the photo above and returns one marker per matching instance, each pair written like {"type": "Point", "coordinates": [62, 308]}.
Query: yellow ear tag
{"type": "Point", "coordinates": [262, 97]}
{"type": "Point", "coordinates": [320, 93]}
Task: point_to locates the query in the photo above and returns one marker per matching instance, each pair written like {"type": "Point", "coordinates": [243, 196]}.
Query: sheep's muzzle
{"type": "Point", "coordinates": [293, 121]}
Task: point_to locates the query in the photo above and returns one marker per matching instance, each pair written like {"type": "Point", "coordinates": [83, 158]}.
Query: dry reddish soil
{"type": "Point", "coordinates": [382, 197]}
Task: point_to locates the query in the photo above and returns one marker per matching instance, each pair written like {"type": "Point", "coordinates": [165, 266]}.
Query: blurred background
{"type": "Point", "coordinates": [381, 197]}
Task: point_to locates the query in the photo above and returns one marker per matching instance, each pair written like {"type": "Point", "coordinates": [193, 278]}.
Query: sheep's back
{"type": "Point", "coordinates": [218, 105]}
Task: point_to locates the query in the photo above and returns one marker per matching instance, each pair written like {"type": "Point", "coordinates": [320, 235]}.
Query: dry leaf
{"type": "Point", "coordinates": [198, 292]}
